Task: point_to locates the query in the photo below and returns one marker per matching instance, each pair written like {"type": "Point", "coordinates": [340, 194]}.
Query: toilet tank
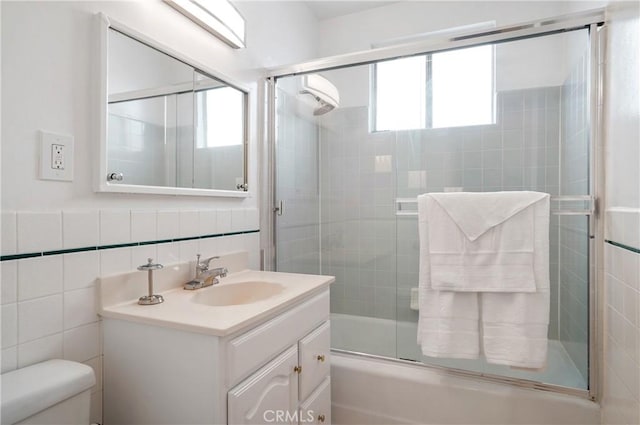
{"type": "Point", "coordinates": [51, 392]}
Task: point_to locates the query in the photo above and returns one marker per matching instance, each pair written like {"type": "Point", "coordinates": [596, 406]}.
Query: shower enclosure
{"type": "Point", "coordinates": [508, 109]}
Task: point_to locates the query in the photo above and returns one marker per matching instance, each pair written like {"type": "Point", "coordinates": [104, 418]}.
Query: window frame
{"type": "Point", "coordinates": [428, 119]}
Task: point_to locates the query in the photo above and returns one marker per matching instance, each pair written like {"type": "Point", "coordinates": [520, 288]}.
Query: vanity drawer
{"type": "Point", "coordinates": [251, 350]}
{"type": "Point", "coordinates": [317, 408]}
{"type": "Point", "coordinates": [270, 390]}
{"type": "Point", "coordinates": [314, 352]}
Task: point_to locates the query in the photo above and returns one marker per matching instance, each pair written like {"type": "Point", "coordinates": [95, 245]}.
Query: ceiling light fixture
{"type": "Point", "coordinates": [219, 17]}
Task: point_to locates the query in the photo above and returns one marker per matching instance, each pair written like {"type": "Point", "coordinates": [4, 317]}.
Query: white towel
{"type": "Point", "coordinates": [515, 327]}
{"type": "Point", "coordinates": [483, 242]}
{"type": "Point", "coordinates": [447, 321]}
{"type": "Point", "coordinates": [514, 324]}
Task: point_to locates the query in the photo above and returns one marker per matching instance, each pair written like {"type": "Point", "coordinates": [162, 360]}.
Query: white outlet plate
{"type": "Point", "coordinates": [56, 156]}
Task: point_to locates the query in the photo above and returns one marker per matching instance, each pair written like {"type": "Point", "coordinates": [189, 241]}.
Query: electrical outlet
{"type": "Point", "coordinates": [56, 156]}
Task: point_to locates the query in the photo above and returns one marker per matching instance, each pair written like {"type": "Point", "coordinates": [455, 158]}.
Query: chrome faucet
{"type": "Point", "coordinates": [205, 276]}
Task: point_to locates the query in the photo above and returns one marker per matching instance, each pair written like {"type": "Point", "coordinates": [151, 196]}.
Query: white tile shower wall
{"type": "Point", "coordinates": [621, 399]}
{"type": "Point", "coordinates": [574, 230]}
{"type": "Point", "coordinates": [49, 304]}
{"type": "Point", "coordinates": [361, 238]}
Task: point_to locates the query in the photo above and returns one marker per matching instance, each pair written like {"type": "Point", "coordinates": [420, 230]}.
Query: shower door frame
{"type": "Point", "coordinates": [594, 22]}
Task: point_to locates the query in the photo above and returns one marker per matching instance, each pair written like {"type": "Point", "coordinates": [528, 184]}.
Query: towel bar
{"type": "Point", "coordinates": [577, 205]}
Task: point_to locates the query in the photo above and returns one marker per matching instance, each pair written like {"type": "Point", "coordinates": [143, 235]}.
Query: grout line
{"type": "Point", "coordinates": [123, 245]}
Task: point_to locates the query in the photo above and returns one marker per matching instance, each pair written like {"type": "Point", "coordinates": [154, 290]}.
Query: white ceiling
{"type": "Point", "coordinates": [324, 9]}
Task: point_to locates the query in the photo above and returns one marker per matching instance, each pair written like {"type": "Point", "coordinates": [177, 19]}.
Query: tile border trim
{"type": "Point", "coordinates": [623, 246]}
{"type": "Point", "coordinates": [122, 245]}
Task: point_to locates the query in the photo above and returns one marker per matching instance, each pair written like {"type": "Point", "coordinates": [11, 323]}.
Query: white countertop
{"type": "Point", "coordinates": [179, 311]}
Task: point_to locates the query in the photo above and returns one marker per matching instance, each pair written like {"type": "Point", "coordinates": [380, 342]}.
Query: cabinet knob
{"type": "Point", "coordinates": [320, 418]}
{"type": "Point", "coordinates": [297, 369]}
{"type": "Point", "coordinates": [320, 357]}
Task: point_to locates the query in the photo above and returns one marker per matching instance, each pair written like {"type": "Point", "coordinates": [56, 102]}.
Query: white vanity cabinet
{"type": "Point", "coordinates": [294, 388]}
{"type": "Point", "coordinates": [266, 393]}
{"type": "Point", "coordinates": [163, 373]}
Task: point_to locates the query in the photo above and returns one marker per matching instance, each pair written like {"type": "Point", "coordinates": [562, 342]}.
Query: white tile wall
{"type": "Point", "coordinates": [238, 221]}
{"type": "Point", "coordinates": [39, 276]}
{"type": "Point", "coordinates": [9, 281]}
{"type": "Point", "coordinates": [39, 350]}
{"type": "Point", "coordinates": [623, 226]}
{"type": "Point", "coordinates": [621, 400]}
{"type": "Point", "coordinates": [189, 250]}
{"type": "Point", "coordinates": [9, 325]}
{"type": "Point", "coordinates": [140, 255]}
{"type": "Point", "coordinates": [168, 225]}
{"type": "Point", "coordinates": [143, 226]}
{"type": "Point", "coordinates": [168, 253]}
{"type": "Point", "coordinates": [114, 261]}
{"type": "Point", "coordinates": [9, 233]}
{"type": "Point", "coordinates": [80, 269]}
{"type": "Point", "coordinates": [39, 317]}
{"type": "Point", "coordinates": [49, 305]}
{"type": "Point", "coordinates": [39, 231]}
{"type": "Point", "coordinates": [115, 227]}
{"type": "Point", "coordinates": [224, 221]}
{"type": "Point", "coordinates": [207, 222]}
{"type": "Point", "coordinates": [10, 359]}
{"type": "Point", "coordinates": [621, 395]}
{"type": "Point", "coordinates": [82, 343]}
{"type": "Point", "coordinates": [80, 307]}
{"type": "Point", "coordinates": [189, 223]}
{"type": "Point", "coordinates": [80, 229]}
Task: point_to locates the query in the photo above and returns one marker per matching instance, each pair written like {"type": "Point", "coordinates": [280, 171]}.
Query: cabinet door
{"type": "Point", "coordinates": [314, 352]}
{"type": "Point", "coordinates": [317, 408]}
{"type": "Point", "coordinates": [268, 396]}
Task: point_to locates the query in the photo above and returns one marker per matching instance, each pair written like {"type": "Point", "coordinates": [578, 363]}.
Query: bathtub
{"type": "Point", "coordinates": [375, 391]}
{"type": "Point", "coordinates": [370, 390]}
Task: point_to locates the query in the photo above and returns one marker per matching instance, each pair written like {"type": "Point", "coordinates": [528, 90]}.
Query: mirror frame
{"type": "Point", "coordinates": [101, 183]}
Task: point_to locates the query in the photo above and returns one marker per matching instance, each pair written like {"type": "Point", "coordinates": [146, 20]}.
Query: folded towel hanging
{"type": "Point", "coordinates": [498, 280]}
{"type": "Point", "coordinates": [473, 246]}
{"type": "Point", "coordinates": [477, 212]}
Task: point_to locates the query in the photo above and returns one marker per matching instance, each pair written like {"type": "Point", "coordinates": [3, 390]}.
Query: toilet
{"type": "Point", "coordinates": [51, 392]}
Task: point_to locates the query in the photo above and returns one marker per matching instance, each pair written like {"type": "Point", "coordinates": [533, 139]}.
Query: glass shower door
{"type": "Point", "coordinates": [348, 181]}
{"type": "Point", "coordinates": [537, 140]}
{"type": "Point", "coordinates": [297, 187]}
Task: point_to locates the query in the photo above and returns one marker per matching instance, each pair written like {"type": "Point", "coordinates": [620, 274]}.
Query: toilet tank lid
{"type": "Point", "coordinates": [35, 388]}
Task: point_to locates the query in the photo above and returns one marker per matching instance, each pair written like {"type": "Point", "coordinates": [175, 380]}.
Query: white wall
{"type": "Point", "coordinates": [48, 79]}
{"type": "Point", "coordinates": [49, 59]}
{"type": "Point", "coordinates": [358, 31]}
{"type": "Point", "coordinates": [621, 286]}
{"type": "Point", "coordinates": [519, 65]}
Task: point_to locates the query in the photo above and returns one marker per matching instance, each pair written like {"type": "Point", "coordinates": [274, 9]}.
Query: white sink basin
{"type": "Point", "coordinates": [238, 293]}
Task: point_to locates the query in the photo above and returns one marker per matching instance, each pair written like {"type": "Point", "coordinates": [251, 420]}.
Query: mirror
{"type": "Point", "coordinates": [171, 127]}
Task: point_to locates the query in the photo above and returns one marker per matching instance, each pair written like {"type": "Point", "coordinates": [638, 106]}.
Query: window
{"type": "Point", "coordinates": [220, 117]}
{"type": "Point", "coordinates": [447, 89]}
